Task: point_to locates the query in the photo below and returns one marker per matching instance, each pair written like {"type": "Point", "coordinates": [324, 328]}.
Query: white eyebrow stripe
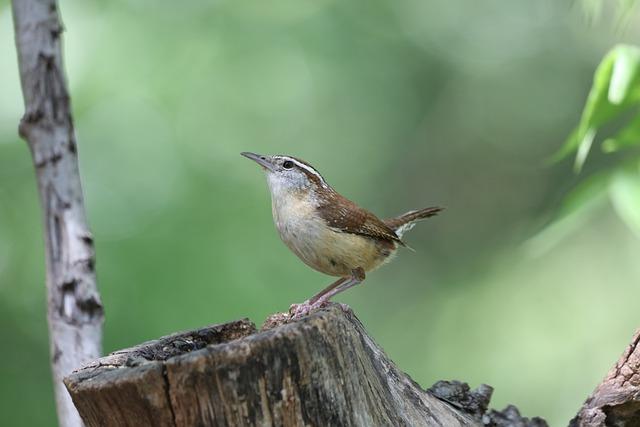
{"type": "Point", "coordinates": [307, 168]}
{"type": "Point", "coordinates": [310, 169]}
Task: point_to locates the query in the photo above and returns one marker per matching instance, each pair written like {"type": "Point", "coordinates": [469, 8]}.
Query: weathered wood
{"type": "Point", "coordinates": [74, 309]}
{"type": "Point", "coordinates": [131, 387]}
{"type": "Point", "coordinates": [321, 370]}
{"type": "Point", "coordinates": [616, 401]}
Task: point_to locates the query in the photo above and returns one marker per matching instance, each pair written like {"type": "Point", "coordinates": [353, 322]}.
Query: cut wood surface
{"type": "Point", "coordinates": [321, 370]}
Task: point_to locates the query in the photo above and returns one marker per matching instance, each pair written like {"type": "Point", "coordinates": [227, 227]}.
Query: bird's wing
{"type": "Point", "coordinates": [345, 216]}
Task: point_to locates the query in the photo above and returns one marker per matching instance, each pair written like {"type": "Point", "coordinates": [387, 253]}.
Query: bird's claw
{"type": "Point", "coordinates": [296, 311]}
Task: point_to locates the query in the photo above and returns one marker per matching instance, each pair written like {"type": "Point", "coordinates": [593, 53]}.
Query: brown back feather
{"type": "Point", "coordinates": [345, 216]}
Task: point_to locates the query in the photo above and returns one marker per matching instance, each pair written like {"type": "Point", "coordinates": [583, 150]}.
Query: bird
{"type": "Point", "coordinates": [327, 231]}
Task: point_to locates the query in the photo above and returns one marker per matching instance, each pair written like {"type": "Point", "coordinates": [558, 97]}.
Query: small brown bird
{"type": "Point", "coordinates": [327, 231]}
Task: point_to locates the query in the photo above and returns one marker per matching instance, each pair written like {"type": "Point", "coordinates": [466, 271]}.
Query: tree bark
{"type": "Point", "coordinates": [322, 370]}
{"type": "Point", "coordinates": [616, 401]}
{"type": "Point", "coordinates": [74, 310]}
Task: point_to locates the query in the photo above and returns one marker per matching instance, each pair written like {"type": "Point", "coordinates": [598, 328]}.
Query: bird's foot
{"type": "Point", "coordinates": [296, 311]}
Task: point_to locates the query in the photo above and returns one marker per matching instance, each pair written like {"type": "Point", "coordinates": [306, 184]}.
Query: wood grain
{"type": "Point", "coordinates": [322, 370]}
{"type": "Point", "coordinates": [616, 401]}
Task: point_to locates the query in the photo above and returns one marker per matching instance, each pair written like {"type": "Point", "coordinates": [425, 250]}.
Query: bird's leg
{"type": "Point", "coordinates": [328, 289]}
{"type": "Point", "coordinates": [303, 308]}
{"type": "Point", "coordinates": [357, 276]}
{"type": "Point", "coordinates": [322, 297]}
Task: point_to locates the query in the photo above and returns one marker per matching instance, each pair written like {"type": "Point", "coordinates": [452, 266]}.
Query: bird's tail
{"type": "Point", "coordinates": [405, 222]}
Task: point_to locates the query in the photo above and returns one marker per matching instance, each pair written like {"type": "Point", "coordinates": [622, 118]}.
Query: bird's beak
{"type": "Point", "coordinates": [265, 161]}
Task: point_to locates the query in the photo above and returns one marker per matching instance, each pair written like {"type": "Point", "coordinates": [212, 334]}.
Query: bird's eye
{"type": "Point", "coordinates": [288, 164]}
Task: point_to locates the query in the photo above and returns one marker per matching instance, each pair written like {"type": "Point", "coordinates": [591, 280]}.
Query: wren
{"type": "Point", "coordinates": [327, 231]}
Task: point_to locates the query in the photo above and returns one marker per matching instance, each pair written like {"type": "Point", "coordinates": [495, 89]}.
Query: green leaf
{"type": "Point", "coordinates": [626, 137]}
{"type": "Point", "coordinates": [626, 70]}
{"type": "Point", "coordinates": [615, 88]}
{"type": "Point", "coordinates": [569, 146]}
{"type": "Point", "coordinates": [583, 149]}
{"type": "Point", "coordinates": [624, 191]}
{"type": "Point", "coordinates": [596, 109]}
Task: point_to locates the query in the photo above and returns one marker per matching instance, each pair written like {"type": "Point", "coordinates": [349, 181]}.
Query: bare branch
{"type": "Point", "coordinates": [74, 311]}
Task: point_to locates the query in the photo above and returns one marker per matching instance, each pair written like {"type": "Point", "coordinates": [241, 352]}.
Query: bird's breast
{"type": "Point", "coordinates": [324, 248]}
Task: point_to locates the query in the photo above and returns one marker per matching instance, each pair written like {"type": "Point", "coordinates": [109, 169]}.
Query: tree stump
{"type": "Point", "coordinates": [322, 370]}
{"type": "Point", "coordinates": [616, 401]}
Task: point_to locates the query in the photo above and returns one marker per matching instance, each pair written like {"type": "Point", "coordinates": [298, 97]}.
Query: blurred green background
{"type": "Point", "coordinates": [400, 104]}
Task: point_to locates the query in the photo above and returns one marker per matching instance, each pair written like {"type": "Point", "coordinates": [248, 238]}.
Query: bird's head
{"type": "Point", "coordinates": [287, 174]}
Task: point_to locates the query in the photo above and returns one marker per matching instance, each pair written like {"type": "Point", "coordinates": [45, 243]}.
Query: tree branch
{"type": "Point", "coordinates": [74, 311]}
